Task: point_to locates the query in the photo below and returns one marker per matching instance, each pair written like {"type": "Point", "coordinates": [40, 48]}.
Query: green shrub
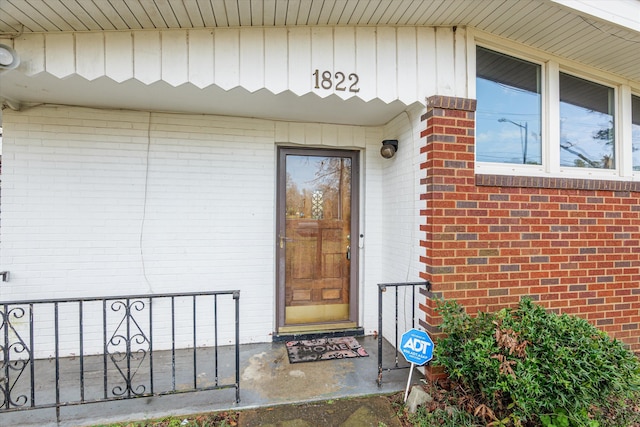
{"type": "Point", "coordinates": [529, 365]}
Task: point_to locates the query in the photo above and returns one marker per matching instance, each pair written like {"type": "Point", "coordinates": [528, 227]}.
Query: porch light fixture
{"type": "Point", "coordinates": [389, 148]}
{"type": "Point", "coordinates": [8, 58]}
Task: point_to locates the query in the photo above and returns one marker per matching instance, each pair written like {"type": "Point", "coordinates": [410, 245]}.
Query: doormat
{"type": "Point", "coordinates": [324, 349]}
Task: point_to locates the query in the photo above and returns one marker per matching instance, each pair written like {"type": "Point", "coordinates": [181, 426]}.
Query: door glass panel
{"type": "Point", "coordinates": [317, 238]}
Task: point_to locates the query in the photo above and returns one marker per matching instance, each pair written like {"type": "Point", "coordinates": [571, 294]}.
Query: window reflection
{"type": "Point", "coordinates": [508, 115]}
{"type": "Point", "coordinates": [586, 124]}
{"type": "Point", "coordinates": [318, 187]}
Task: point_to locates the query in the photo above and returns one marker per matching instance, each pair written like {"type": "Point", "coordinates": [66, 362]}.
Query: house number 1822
{"type": "Point", "coordinates": [339, 80]}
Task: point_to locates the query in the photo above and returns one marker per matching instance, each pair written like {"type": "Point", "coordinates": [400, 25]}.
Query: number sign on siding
{"type": "Point", "coordinates": [339, 81]}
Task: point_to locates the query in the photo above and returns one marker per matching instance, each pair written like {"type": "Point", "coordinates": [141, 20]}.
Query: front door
{"type": "Point", "coordinates": [317, 239]}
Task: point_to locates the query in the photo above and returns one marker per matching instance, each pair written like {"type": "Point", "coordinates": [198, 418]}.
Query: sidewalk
{"type": "Point", "coordinates": [267, 380]}
{"type": "Point", "coordinates": [368, 411]}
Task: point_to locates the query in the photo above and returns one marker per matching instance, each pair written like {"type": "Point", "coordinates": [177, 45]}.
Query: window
{"type": "Point", "coordinates": [508, 115]}
{"type": "Point", "coordinates": [542, 118]}
{"type": "Point", "coordinates": [635, 131]}
{"type": "Point", "coordinates": [586, 124]}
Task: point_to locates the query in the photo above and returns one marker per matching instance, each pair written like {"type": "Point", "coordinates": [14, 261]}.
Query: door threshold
{"type": "Point", "coordinates": [312, 335]}
{"type": "Point", "coordinates": [316, 327]}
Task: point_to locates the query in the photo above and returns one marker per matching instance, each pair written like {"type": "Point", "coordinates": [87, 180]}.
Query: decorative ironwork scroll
{"type": "Point", "coordinates": [128, 347]}
{"type": "Point", "coordinates": [16, 357]}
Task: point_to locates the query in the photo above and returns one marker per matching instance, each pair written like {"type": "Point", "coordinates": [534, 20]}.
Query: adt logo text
{"type": "Point", "coordinates": [417, 345]}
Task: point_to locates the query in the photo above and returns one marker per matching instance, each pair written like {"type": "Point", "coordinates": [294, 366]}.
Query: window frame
{"type": "Point", "coordinates": [629, 120]}
{"type": "Point", "coordinates": [515, 168]}
{"type": "Point", "coordinates": [591, 172]}
{"type": "Point", "coordinates": [551, 67]}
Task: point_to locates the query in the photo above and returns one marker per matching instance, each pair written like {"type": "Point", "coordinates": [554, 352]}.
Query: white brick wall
{"type": "Point", "coordinates": [401, 205]}
{"type": "Point", "coordinates": [76, 222]}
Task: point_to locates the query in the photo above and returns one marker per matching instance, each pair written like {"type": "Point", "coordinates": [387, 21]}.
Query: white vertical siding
{"type": "Point", "coordinates": [252, 59]}
{"type": "Point", "coordinates": [405, 63]}
{"type": "Point", "coordinates": [445, 78]}
{"type": "Point", "coordinates": [201, 63]}
{"type": "Point", "coordinates": [146, 56]}
{"type": "Point", "coordinates": [32, 51]}
{"type": "Point", "coordinates": [175, 58]}
{"type": "Point", "coordinates": [90, 55]}
{"type": "Point", "coordinates": [227, 58]}
{"type": "Point", "coordinates": [322, 58]}
{"type": "Point", "coordinates": [343, 57]}
{"type": "Point", "coordinates": [366, 62]}
{"type": "Point", "coordinates": [427, 81]}
{"type": "Point", "coordinates": [460, 56]}
{"type": "Point", "coordinates": [60, 54]}
{"type": "Point", "coordinates": [299, 60]}
{"type": "Point", "coordinates": [387, 65]}
{"type": "Point", "coordinates": [119, 55]}
{"type": "Point", "coordinates": [276, 70]}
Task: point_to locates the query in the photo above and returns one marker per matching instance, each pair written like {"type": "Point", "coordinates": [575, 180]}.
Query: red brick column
{"type": "Point", "coordinates": [449, 165]}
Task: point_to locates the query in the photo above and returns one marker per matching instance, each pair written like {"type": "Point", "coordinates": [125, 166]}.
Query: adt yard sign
{"type": "Point", "coordinates": [416, 346]}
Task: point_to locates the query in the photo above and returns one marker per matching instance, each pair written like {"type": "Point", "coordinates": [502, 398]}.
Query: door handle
{"type": "Point", "coordinates": [284, 239]}
{"type": "Point", "coordinates": [349, 252]}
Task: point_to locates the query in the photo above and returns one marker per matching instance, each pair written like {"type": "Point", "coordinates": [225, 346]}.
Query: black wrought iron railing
{"type": "Point", "coordinates": [390, 329]}
{"type": "Point", "coordinates": [63, 352]}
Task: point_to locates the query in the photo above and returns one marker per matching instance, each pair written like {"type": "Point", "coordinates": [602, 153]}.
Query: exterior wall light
{"type": "Point", "coordinates": [8, 58]}
{"type": "Point", "coordinates": [389, 148]}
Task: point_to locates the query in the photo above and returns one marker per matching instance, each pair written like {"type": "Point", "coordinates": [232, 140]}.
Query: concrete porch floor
{"type": "Point", "coordinates": [267, 379]}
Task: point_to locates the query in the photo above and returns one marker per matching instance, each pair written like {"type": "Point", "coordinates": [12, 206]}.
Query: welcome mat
{"type": "Point", "coordinates": [324, 349]}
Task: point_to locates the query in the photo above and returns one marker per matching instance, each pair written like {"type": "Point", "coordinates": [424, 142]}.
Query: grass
{"type": "Point", "coordinates": [212, 419]}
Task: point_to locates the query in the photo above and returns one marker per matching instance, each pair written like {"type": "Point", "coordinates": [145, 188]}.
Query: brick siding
{"type": "Point", "coordinates": [572, 245]}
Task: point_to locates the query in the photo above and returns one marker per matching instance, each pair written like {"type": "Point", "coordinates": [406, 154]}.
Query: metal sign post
{"type": "Point", "coordinates": [417, 348]}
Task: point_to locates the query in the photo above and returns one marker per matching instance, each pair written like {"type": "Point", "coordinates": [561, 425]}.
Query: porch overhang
{"type": "Point", "coordinates": [603, 35]}
{"type": "Point", "coordinates": [24, 91]}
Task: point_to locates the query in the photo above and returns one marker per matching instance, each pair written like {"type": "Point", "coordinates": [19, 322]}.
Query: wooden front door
{"type": "Point", "coordinates": [317, 251]}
